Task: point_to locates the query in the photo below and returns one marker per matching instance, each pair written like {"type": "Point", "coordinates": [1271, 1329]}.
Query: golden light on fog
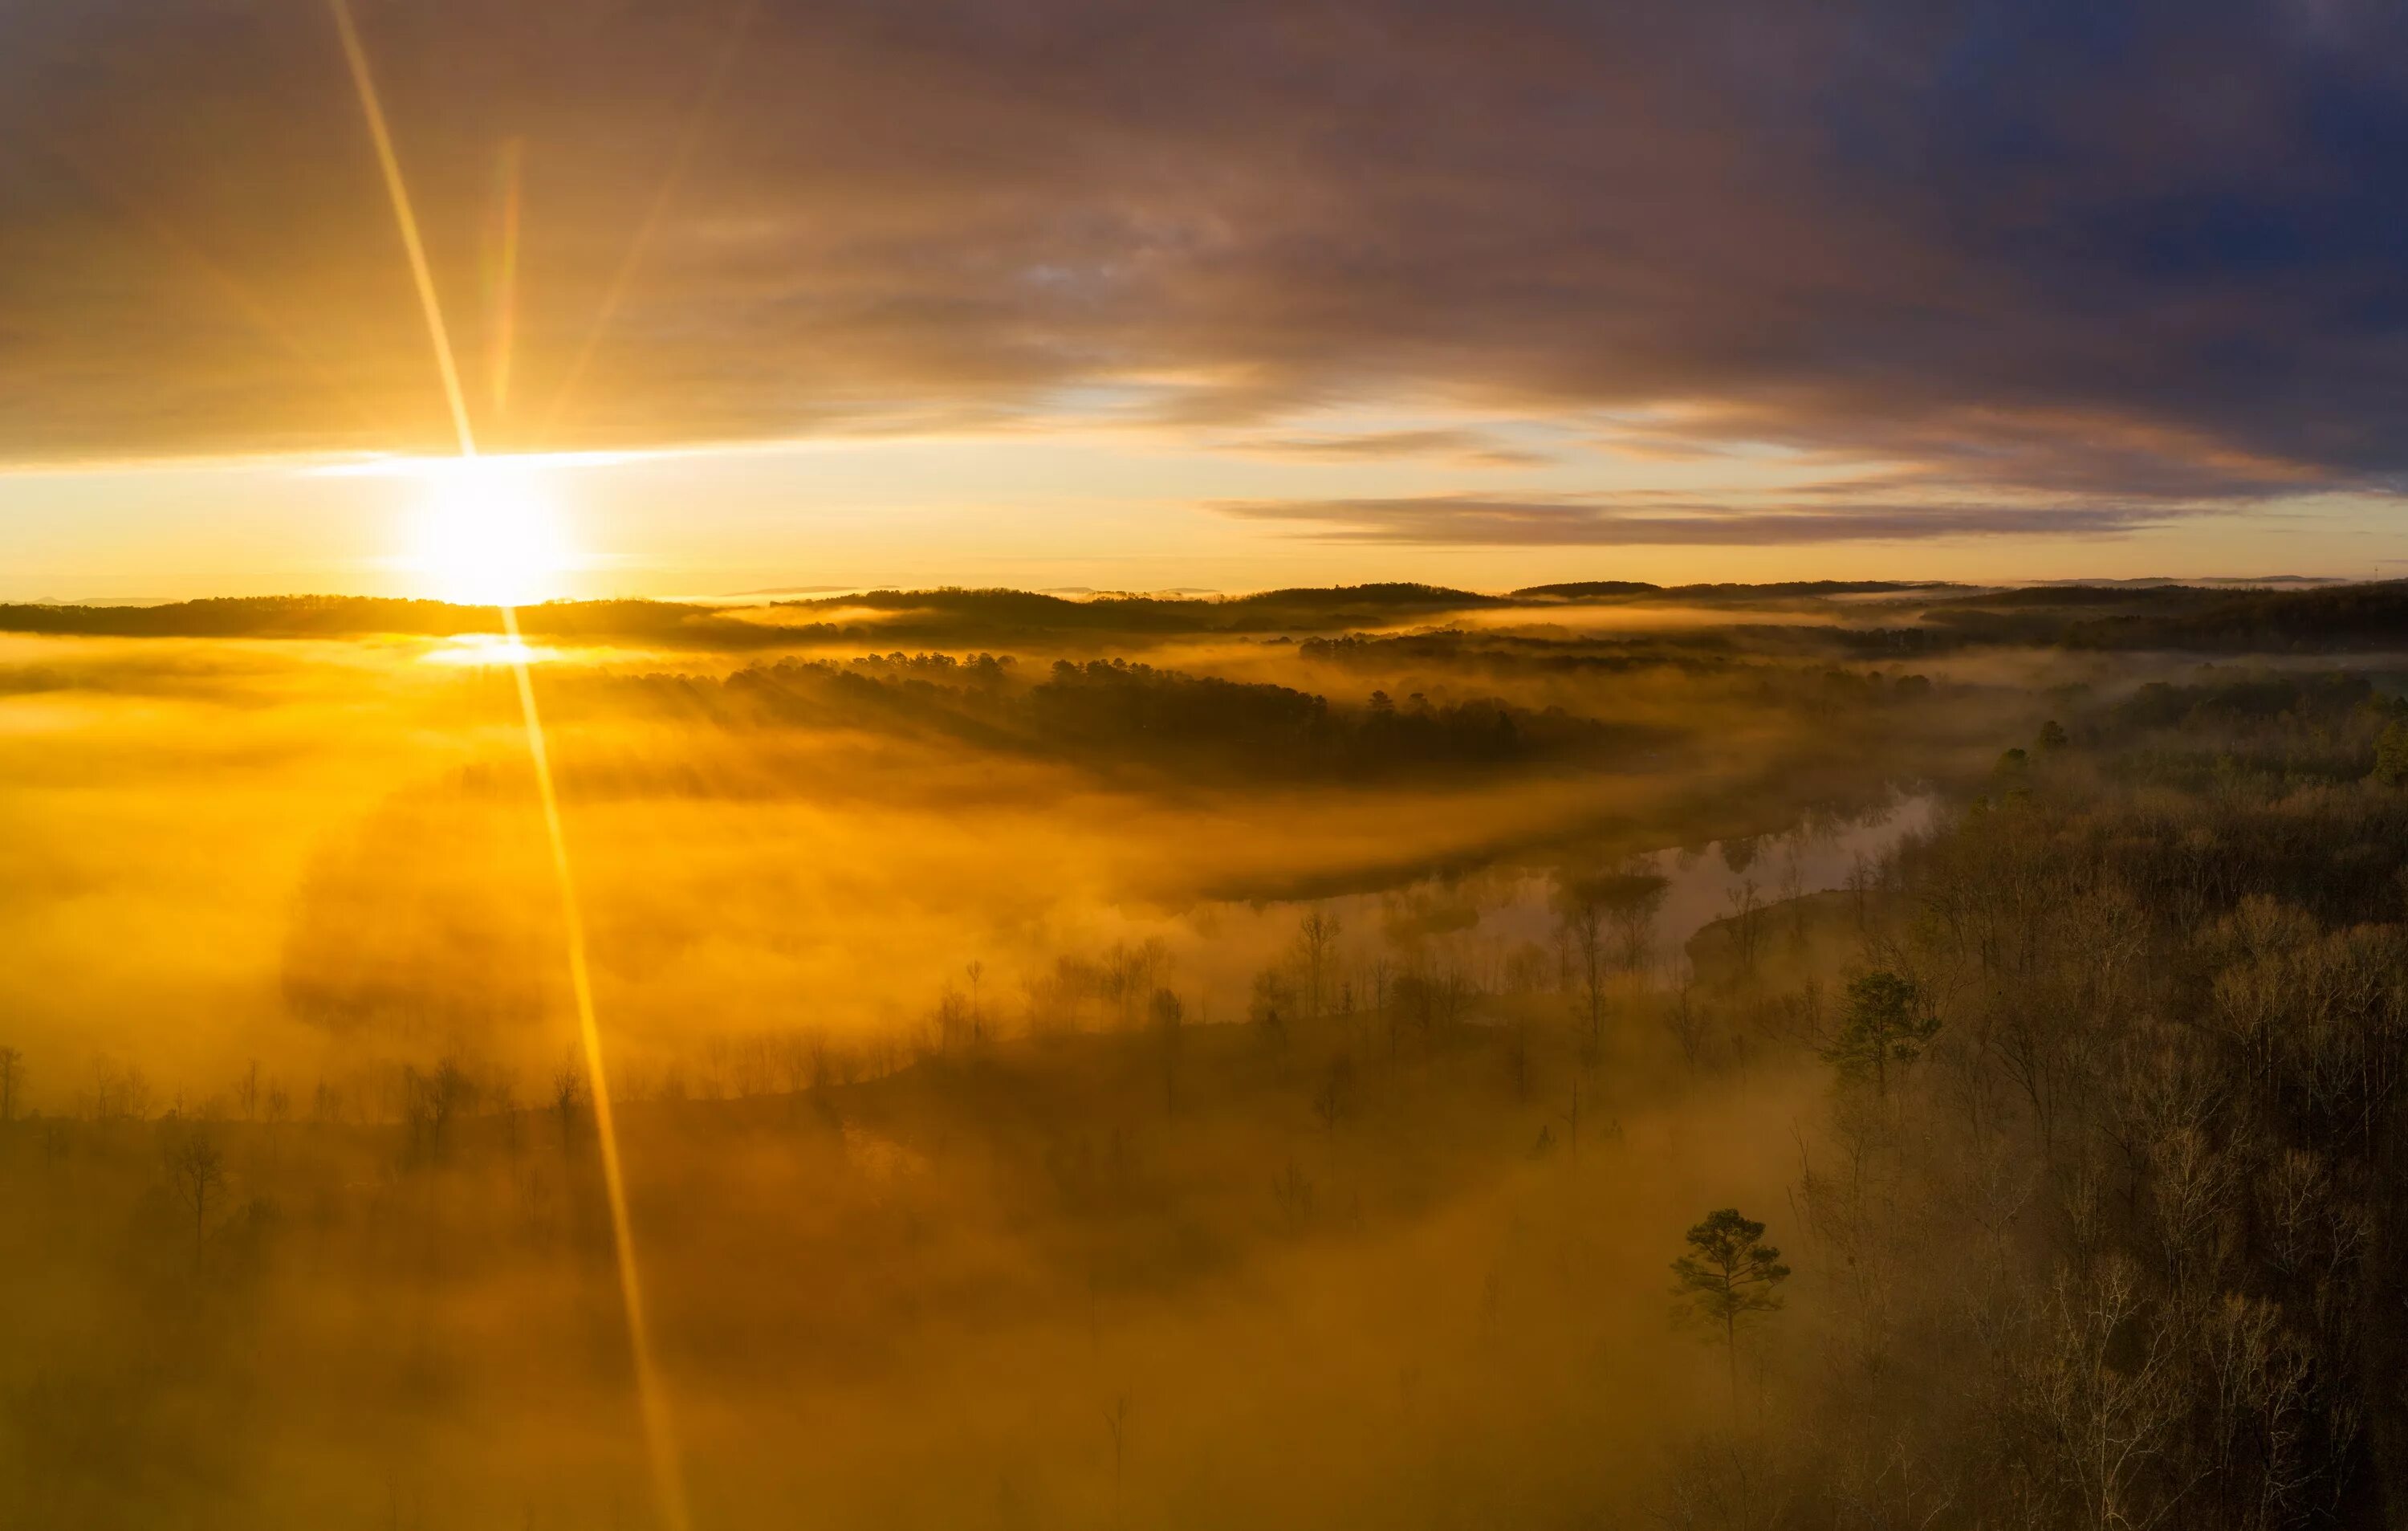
{"type": "Point", "coordinates": [487, 531]}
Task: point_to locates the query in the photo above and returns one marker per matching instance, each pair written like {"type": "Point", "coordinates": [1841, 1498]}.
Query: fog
{"type": "Point", "coordinates": [1236, 1078]}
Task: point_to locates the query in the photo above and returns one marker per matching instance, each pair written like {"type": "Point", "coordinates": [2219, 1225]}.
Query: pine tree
{"type": "Point", "coordinates": [1886, 1022]}
{"type": "Point", "coordinates": [1728, 1277]}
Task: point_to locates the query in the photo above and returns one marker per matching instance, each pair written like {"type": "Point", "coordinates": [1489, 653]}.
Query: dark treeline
{"type": "Point", "coordinates": [1269, 610]}
{"type": "Point", "coordinates": [917, 614]}
{"type": "Point", "coordinates": [1117, 711]}
{"type": "Point", "coordinates": [1868, 615]}
{"type": "Point", "coordinates": [1775, 590]}
{"type": "Point", "coordinates": [1702, 654]}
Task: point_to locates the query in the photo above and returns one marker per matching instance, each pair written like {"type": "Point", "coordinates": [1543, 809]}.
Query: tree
{"type": "Point", "coordinates": [1728, 1277]}
{"type": "Point", "coordinates": [1886, 1022]}
{"type": "Point", "coordinates": [1268, 1007]}
{"type": "Point", "coordinates": [1316, 942]}
{"type": "Point", "coordinates": [1168, 1015]}
{"type": "Point", "coordinates": [2052, 737]}
{"type": "Point", "coordinates": [2391, 755]}
{"type": "Point", "coordinates": [1746, 921]}
{"type": "Point", "coordinates": [1583, 910]}
{"type": "Point", "coordinates": [196, 1172]}
{"type": "Point", "coordinates": [1116, 1419]}
{"type": "Point", "coordinates": [1130, 974]}
{"type": "Point", "coordinates": [1336, 1096]}
{"type": "Point", "coordinates": [1633, 899]}
{"type": "Point", "coordinates": [569, 1097]}
{"type": "Point", "coordinates": [12, 1077]}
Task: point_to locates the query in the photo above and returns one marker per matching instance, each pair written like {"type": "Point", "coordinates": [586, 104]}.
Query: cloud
{"type": "Point", "coordinates": [1464, 445]}
{"type": "Point", "coordinates": [1649, 520]}
{"type": "Point", "coordinates": [2096, 254]}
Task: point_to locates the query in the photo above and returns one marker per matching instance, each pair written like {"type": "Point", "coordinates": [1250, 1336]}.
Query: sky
{"type": "Point", "coordinates": [1153, 296]}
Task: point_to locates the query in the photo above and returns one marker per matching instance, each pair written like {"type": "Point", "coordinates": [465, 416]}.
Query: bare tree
{"type": "Point", "coordinates": [1746, 922]}
{"type": "Point", "coordinates": [196, 1172]}
{"type": "Point", "coordinates": [1684, 1018]}
{"type": "Point", "coordinates": [569, 1097]}
{"type": "Point", "coordinates": [1335, 1097]}
{"type": "Point", "coordinates": [1169, 1025]}
{"type": "Point", "coordinates": [1268, 1009]}
{"type": "Point", "coordinates": [1635, 898]}
{"type": "Point", "coordinates": [1316, 947]}
{"type": "Point", "coordinates": [1293, 1191]}
{"type": "Point", "coordinates": [1130, 974]}
{"type": "Point", "coordinates": [1116, 1419]}
{"type": "Point", "coordinates": [2100, 1391]}
{"type": "Point", "coordinates": [1793, 889]}
{"type": "Point", "coordinates": [1582, 922]}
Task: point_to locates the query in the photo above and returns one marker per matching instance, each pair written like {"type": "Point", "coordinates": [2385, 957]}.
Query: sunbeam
{"type": "Point", "coordinates": [481, 507]}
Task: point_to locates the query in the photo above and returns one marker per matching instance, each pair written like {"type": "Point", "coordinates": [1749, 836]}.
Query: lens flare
{"type": "Point", "coordinates": [486, 526]}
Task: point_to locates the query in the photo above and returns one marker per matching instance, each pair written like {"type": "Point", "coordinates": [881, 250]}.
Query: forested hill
{"type": "Point", "coordinates": [2341, 617]}
{"type": "Point", "coordinates": [922, 615]}
{"type": "Point", "coordinates": [1924, 617]}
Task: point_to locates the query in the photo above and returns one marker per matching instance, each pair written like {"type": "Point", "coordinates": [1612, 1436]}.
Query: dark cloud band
{"type": "Point", "coordinates": [2098, 252]}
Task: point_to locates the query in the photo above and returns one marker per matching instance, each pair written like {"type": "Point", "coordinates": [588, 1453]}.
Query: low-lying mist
{"type": "Point", "coordinates": [1169, 1076]}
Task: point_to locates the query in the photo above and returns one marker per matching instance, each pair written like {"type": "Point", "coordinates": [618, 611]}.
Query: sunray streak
{"type": "Point", "coordinates": [237, 293]}
{"type": "Point", "coordinates": [669, 1474]}
{"type": "Point", "coordinates": [668, 1482]}
{"type": "Point", "coordinates": [428, 304]}
{"type": "Point", "coordinates": [502, 278]}
{"type": "Point", "coordinates": [621, 279]}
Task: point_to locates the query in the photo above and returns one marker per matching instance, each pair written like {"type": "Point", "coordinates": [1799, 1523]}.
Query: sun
{"type": "Point", "coordinates": [488, 533]}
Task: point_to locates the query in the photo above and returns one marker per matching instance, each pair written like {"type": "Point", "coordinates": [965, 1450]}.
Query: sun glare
{"type": "Point", "coordinates": [487, 533]}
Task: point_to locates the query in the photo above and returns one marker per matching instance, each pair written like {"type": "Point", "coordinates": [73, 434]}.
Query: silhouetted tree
{"type": "Point", "coordinates": [1130, 974]}
{"type": "Point", "coordinates": [1728, 1277]}
{"type": "Point", "coordinates": [1632, 900]}
{"type": "Point", "coordinates": [1168, 1015]}
{"type": "Point", "coordinates": [196, 1172]}
{"type": "Point", "coordinates": [1885, 1022]}
{"type": "Point", "coordinates": [1572, 1120]}
{"type": "Point", "coordinates": [2391, 755]}
{"type": "Point", "coordinates": [1746, 922]}
{"type": "Point", "coordinates": [1316, 946]}
{"type": "Point", "coordinates": [1268, 1007]}
{"type": "Point", "coordinates": [1116, 1419]}
{"type": "Point", "coordinates": [1336, 1096]}
{"type": "Point", "coordinates": [1581, 919]}
{"type": "Point", "coordinates": [568, 1098]}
